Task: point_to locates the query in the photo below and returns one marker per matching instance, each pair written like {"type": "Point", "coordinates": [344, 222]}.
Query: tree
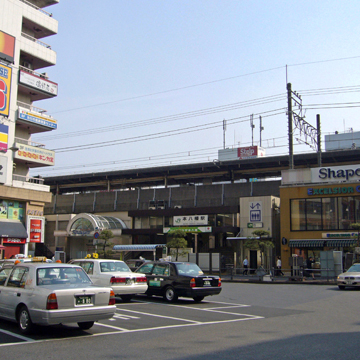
{"type": "Point", "coordinates": [356, 226]}
{"type": "Point", "coordinates": [106, 235]}
{"type": "Point", "coordinates": [259, 241]}
{"type": "Point", "coordinates": [177, 241]}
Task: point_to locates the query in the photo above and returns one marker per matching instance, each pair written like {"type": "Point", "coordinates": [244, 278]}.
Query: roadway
{"type": "Point", "coordinates": [246, 321]}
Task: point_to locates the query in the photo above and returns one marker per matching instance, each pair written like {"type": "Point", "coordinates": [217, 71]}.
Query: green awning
{"type": "Point", "coordinates": [313, 243]}
{"type": "Point", "coordinates": [341, 242]}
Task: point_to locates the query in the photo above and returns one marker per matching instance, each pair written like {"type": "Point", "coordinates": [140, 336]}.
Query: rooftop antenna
{"type": "Point", "coordinates": [252, 128]}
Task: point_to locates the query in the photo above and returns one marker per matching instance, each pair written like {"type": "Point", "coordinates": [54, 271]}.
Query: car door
{"type": "Point", "coordinates": [14, 292]}
{"type": "Point", "coordinates": [160, 277]}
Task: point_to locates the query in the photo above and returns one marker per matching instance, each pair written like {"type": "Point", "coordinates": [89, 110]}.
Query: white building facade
{"type": "Point", "coordinates": [25, 56]}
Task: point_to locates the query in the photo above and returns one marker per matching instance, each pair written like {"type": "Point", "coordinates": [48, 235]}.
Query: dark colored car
{"type": "Point", "coordinates": [173, 279]}
{"type": "Point", "coordinates": [133, 264]}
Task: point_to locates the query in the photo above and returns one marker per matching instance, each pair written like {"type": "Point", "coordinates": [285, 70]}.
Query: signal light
{"type": "Point", "coordinates": [141, 279]}
{"type": "Point", "coordinates": [112, 300]}
{"type": "Point", "coordinates": [219, 283]}
{"type": "Point", "coordinates": [51, 303]}
{"type": "Point", "coordinates": [115, 280]}
{"type": "Point", "coordinates": [192, 282]}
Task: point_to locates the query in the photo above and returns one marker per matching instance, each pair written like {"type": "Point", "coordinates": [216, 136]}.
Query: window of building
{"type": "Point", "coordinates": [13, 210]}
{"type": "Point", "coordinates": [324, 213]}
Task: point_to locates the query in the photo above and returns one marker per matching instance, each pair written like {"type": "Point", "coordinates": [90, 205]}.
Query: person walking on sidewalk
{"type": "Point", "coordinates": [245, 265]}
{"type": "Point", "coordinates": [278, 267]}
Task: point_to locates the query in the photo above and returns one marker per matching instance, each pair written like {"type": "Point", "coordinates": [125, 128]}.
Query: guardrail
{"type": "Point", "coordinates": [274, 274]}
{"type": "Point", "coordinates": [35, 40]}
{"type": "Point", "coordinates": [37, 8]}
{"type": "Point", "coordinates": [28, 179]}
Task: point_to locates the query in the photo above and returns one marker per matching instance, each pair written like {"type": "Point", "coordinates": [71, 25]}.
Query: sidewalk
{"type": "Point", "coordinates": [286, 279]}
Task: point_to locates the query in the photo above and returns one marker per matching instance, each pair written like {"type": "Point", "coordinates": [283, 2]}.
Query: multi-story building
{"type": "Point", "coordinates": [24, 81]}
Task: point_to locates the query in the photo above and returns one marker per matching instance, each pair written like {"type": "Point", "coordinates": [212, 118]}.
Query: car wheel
{"type": "Point", "coordinates": [86, 325]}
{"type": "Point", "coordinates": [341, 287]}
{"type": "Point", "coordinates": [198, 298]}
{"type": "Point", "coordinates": [126, 298]}
{"type": "Point", "coordinates": [170, 294]}
{"type": "Point", "coordinates": [24, 320]}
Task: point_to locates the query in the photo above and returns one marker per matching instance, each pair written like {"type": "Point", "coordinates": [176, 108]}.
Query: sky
{"type": "Point", "coordinates": [147, 83]}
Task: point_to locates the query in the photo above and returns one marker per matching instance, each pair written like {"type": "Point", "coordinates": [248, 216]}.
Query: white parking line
{"type": "Point", "coordinates": [124, 317]}
{"type": "Point", "coordinates": [16, 335]}
{"type": "Point", "coordinates": [161, 316]}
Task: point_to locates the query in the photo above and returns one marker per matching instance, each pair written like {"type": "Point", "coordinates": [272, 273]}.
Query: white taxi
{"type": "Point", "coordinates": [40, 293]}
{"type": "Point", "coordinates": [116, 274]}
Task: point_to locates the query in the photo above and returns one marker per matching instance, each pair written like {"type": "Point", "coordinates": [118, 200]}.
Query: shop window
{"type": "Point", "coordinates": [330, 214]}
{"type": "Point", "coordinates": [346, 208]}
{"type": "Point", "coordinates": [298, 219]}
{"type": "Point", "coordinates": [313, 214]}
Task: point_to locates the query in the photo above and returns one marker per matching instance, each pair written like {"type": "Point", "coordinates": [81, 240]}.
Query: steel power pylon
{"type": "Point", "coordinates": [296, 120]}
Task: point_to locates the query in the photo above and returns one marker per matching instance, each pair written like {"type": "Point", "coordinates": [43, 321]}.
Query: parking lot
{"type": "Point", "coordinates": [142, 314]}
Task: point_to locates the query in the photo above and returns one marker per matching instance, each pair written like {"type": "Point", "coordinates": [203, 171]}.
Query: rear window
{"type": "Point", "coordinates": [111, 266]}
{"type": "Point", "coordinates": [62, 275]}
{"type": "Point", "coordinates": [188, 269]}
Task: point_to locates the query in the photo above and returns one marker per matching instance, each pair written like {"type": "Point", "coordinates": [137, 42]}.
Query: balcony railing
{"type": "Point", "coordinates": [36, 7]}
{"type": "Point", "coordinates": [35, 40]}
{"type": "Point", "coordinates": [28, 142]}
{"type": "Point", "coordinates": [28, 179]}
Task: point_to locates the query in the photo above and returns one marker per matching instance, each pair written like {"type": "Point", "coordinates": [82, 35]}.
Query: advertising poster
{"type": "Point", "coordinates": [35, 230]}
{"type": "Point", "coordinates": [3, 209]}
{"type": "Point", "coordinates": [5, 85]}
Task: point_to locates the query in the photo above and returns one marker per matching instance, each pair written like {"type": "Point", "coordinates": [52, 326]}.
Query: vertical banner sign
{"type": "Point", "coordinates": [5, 83]}
{"type": "Point", "coordinates": [255, 211]}
{"type": "Point", "coordinates": [35, 230]}
{"type": "Point", "coordinates": [4, 133]}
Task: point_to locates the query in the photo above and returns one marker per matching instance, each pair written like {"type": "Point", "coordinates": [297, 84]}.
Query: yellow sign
{"type": "Point", "coordinates": [5, 84]}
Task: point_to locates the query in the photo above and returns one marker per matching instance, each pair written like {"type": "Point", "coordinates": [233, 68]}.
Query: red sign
{"type": "Point", "coordinates": [13, 241]}
{"type": "Point", "coordinates": [35, 230]}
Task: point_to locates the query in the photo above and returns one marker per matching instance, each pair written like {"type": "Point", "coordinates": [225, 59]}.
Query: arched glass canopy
{"type": "Point", "coordinates": [87, 224]}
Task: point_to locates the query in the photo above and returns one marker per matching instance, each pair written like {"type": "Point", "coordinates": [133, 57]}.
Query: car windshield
{"type": "Point", "coordinates": [111, 266]}
{"type": "Point", "coordinates": [189, 269]}
{"type": "Point", "coordinates": [62, 275]}
{"type": "Point", "coordinates": [354, 268]}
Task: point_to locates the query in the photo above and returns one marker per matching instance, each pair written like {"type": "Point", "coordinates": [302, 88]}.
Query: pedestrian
{"type": "Point", "coordinates": [278, 267]}
{"type": "Point", "coordinates": [309, 270]}
{"type": "Point", "coordinates": [245, 265]}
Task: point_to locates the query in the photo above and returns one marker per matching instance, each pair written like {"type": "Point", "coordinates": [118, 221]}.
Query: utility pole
{"type": "Point", "coordinates": [252, 128]}
{"type": "Point", "coordinates": [261, 128]}
{"type": "Point", "coordinates": [318, 139]}
{"type": "Point", "coordinates": [224, 130]}
{"type": "Point", "coordinates": [290, 127]}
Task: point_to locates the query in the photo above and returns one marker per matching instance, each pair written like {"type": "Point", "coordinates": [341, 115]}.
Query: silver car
{"type": "Point", "coordinates": [53, 293]}
{"type": "Point", "coordinates": [350, 278]}
{"type": "Point", "coordinates": [114, 273]}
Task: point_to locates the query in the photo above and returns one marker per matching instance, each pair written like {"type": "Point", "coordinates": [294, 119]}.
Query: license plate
{"type": "Point", "coordinates": [207, 283]}
{"type": "Point", "coordinates": [349, 282]}
{"type": "Point", "coordinates": [83, 300]}
{"type": "Point", "coordinates": [129, 281]}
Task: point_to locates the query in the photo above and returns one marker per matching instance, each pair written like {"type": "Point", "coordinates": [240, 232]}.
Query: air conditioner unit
{"type": "Point", "coordinates": [27, 64]}
{"type": "Point", "coordinates": [44, 75]}
{"type": "Point", "coordinates": [161, 204]}
{"type": "Point", "coordinates": [152, 205]}
{"type": "Point", "coordinates": [177, 206]}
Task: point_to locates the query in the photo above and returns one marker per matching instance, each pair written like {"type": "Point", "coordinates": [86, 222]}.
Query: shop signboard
{"type": "Point", "coordinates": [3, 167]}
{"type": "Point", "coordinates": [5, 85]}
{"type": "Point", "coordinates": [190, 220]}
{"type": "Point", "coordinates": [35, 118]}
{"type": "Point", "coordinates": [189, 229]}
{"type": "Point", "coordinates": [4, 134]}
{"type": "Point", "coordinates": [38, 83]}
{"type": "Point", "coordinates": [36, 229]}
{"type": "Point", "coordinates": [35, 154]}
{"type": "Point", "coordinates": [344, 173]}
